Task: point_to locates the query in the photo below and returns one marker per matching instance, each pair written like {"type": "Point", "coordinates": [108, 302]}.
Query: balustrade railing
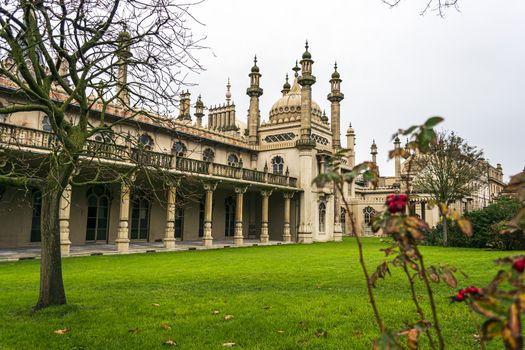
{"type": "Point", "coordinates": [27, 137]}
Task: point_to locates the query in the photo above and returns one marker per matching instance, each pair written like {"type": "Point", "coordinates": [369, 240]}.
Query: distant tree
{"type": "Point", "coordinates": [74, 61]}
{"type": "Point", "coordinates": [449, 172]}
{"type": "Point", "coordinates": [430, 5]}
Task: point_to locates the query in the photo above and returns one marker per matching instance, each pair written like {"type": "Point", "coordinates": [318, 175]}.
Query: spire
{"type": "Point", "coordinates": [255, 69]}
{"type": "Point", "coordinates": [306, 54]}
{"type": "Point", "coordinates": [324, 118]}
{"type": "Point", "coordinates": [286, 86]}
{"type": "Point", "coordinates": [199, 110]}
{"type": "Point", "coordinates": [228, 93]}
{"type": "Point", "coordinates": [335, 74]}
{"type": "Point", "coordinates": [296, 69]}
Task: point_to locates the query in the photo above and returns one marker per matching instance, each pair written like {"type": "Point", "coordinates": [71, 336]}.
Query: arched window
{"type": "Point", "coordinates": [46, 124]}
{"type": "Point", "coordinates": [179, 149]}
{"type": "Point", "coordinates": [322, 217]}
{"type": "Point", "coordinates": [343, 220]}
{"type": "Point", "coordinates": [140, 212]}
{"type": "Point", "coordinates": [229, 227]}
{"type": "Point", "coordinates": [368, 213]}
{"type": "Point", "coordinates": [233, 160]}
{"type": "Point", "coordinates": [146, 141]}
{"type": "Point", "coordinates": [278, 165]}
{"type": "Point", "coordinates": [35, 221]}
{"type": "Point", "coordinates": [98, 198]}
{"type": "Point", "coordinates": [104, 136]}
{"type": "Point", "coordinates": [208, 155]}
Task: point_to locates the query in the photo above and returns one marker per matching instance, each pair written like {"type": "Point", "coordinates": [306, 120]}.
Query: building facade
{"type": "Point", "coordinates": [228, 180]}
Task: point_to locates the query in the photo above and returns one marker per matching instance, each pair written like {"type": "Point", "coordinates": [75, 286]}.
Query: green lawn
{"type": "Point", "coordinates": [281, 297]}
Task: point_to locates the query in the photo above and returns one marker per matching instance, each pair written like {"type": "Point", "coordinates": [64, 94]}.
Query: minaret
{"type": "Point", "coordinates": [184, 107]}
{"type": "Point", "coordinates": [123, 55]}
{"type": "Point", "coordinates": [199, 110]}
{"type": "Point", "coordinates": [306, 80]}
{"type": "Point", "coordinates": [373, 152]}
{"type": "Point", "coordinates": [397, 156]}
{"type": "Point", "coordinates": [335, 97]}
{"type": "Point", "coordinates": [254, 117]}
{"type": "Point", "coordinates": [286, 86]}
{"type": "Point", "coordinates": [350, 145]}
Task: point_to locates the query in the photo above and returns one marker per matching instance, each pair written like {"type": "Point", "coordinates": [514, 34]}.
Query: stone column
{"type": "Point", "coordinates": [265, 237]}
{"type": "Point", "coordinates": [171, 207]}
{"type": "Point", "coordinates": [287, 237]}
{"type": "Point", "coordinates": [65, 208]}
{"type": "Point", "coordinates": [122, 241]}
{"type": "Point", "coordinates": [207, 239]}
{"type": "Point", "coordinates": [238, 237]}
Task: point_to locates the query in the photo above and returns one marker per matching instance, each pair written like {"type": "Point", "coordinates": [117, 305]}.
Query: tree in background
{"type": "Point", "coordinates": [449, 172]}
{"type": "Point", "coordinates": [431, 5]}
{"type": "Point", "coordinates": [76, 63]}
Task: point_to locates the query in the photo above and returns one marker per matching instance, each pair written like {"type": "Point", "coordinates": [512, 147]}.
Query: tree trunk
{"type": "Point", "coordinates": [445, 231]}
{"type": "Point", "coordinates": [51, 284]}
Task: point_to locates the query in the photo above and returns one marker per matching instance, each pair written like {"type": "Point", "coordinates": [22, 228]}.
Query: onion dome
{"type": "Point", "coordinates": [324, 118]}
{"type": "Point", "coordinates": [306, 54]}
{"type": "Point", "coordinates": [335, 74]}
{"type": "Point", "coordinates": [288, 107]}
{"type": "Point", "coordinates": [255, 69]}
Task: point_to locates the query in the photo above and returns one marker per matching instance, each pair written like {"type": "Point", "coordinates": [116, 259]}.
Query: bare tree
{"type": "Point", "coordinates": [90, 66]}
{"type": "Point", "coordinates": [451, 171]}
{"type": "Point", "coordinates": [438, 6]}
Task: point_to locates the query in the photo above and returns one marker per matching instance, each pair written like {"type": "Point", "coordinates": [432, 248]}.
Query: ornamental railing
{"type": "Point", "coordinates": [27, 137]}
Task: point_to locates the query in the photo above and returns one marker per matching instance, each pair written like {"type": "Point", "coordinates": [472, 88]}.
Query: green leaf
{"type": "Point", "coordinates": [431, 122]}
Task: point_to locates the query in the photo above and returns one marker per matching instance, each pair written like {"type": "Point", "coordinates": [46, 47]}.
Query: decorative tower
{"type": "Point", "coordinates": [397, 156]}
{"type": "Point", "coordinates": [184, 113]}
{"type": "Point", "coordinates": [350, 145]}
{"type": "Point", "coordinates": [306, 80]}
{"type": "Point", "coordinates": [254, 117]}
{"type": "Point", "coordinates": [123, 54]}
{"type": "Point", "coordinates": [306, 144]}
{"type": "Point", "coordinates": [335, 97]}
{"type": "Point", "coordinates": [228, 93]}
{"type": "Point", "coordinates": [199, 110]}
{"type": "Point", "coordinates": [373, 152]}
{"type": "Point", "coordinates": [286, 86]}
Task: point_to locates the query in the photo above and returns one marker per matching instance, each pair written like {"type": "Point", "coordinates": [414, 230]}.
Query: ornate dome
{"type": "Point", "coordinates": [288, 107]}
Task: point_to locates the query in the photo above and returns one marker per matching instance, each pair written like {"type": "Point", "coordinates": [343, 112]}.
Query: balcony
{"type": "Point", "coordinates": [22, 137]}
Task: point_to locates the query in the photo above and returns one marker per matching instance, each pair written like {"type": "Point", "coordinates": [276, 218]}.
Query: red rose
{"type": "Point", "coordinates": [460, 296]}
{"type": "Point", "coordinates": [396, 203]}
{"type": "Point", "coordinates": [472, 290]}
{"type": "Point", "coordinates": [519, 265]}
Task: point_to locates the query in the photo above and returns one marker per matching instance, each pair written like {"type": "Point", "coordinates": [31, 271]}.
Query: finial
{"type": "Point", "coordinates": [296, 69]}
{"type": "Point", "coordinates": [228, 93]}
{"type": "Point", "coordinates": [306, 54]}
{"type": "Point", "coordinates": [335, 66]}
{"type": "Point", "coordinates": [286, 77]}
{"type": "Point", "coordinates": [255, 59]}
{"type": "Point", "coordinates": [324, 118]}
{"type": "Point", "coordinates": [306, 45]}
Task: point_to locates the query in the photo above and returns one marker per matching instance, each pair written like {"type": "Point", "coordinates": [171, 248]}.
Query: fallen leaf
{"type": "Point", "coordinates": [170, 342]}
{"type": "Point", "coordinates": [321, 333]}
{"type": "Point", "coordinates": [165, 326]}
{"type": "Point", "coordinates": [229, 344]}
{"type": "Point", "coordinates": [155, 304]}
{"type": "Point", "coordinates": [215, 312]}
{"type": "Point", "coordinates": [279, 331]}
{"type": "Point", "coordinates": [62, 331]}
{"type": "Point", "coordinates": [134, 330]}
{"type": "Point", "coordinates": [228, 317]}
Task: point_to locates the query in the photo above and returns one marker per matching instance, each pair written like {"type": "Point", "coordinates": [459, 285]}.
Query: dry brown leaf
{"type": "Point", "coordinates": [170, 342]}
{"type": "Point", "coordinates": [228, 317]}
{"type": "Point", "coordinates": [62, 331]}
{"type": "Point", "coordinates": [165, 326]}
{"type": "Point", "coordinates": [228, 344]}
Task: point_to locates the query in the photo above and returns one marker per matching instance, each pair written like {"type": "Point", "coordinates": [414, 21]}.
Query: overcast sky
{"type": "Point", "coordinates": [398, 67]}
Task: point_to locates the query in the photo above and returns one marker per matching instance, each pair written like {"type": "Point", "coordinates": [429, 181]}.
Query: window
{"type": "Point", "coordinates": [179, 149]}
{"type": "Point", "coordinates": [233, 160]}
{"type": "Point", "coordinates": [368, 213]}
{"type": "Point", "coordinates": [229, 227]}
{"type": "Point", "coordinates": [322, 217]}
{"type": "Point", "coordinates": [179, 222]}
{"type": "Point", "coordinates": [98, 214]}
{"type": "Point", "coordinates": [35, 221]}
{"type": "Point", "coordinates": [278, 165]}
{"type": "Point", "coordinates": [46, 124]}
{"type": "Point", "coordinates": [140, 210]}
{"type": "Point", "coordinates": [208, 155]}
{"type": "Point", "coordinates": [343, 220]}
{"type": "Point", "coordinates": [104, 136]}
{"type": "Point", "coordinates": [146, 141]}
{"type": "Point", "coordinates": [201, 217]}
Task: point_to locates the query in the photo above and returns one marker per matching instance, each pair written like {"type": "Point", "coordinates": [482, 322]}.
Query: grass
{"type": "Point", "coordinates": [281, 297]}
